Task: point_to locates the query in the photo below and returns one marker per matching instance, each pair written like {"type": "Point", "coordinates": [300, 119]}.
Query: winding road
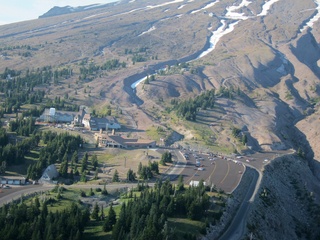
{"type": "Point", "coordinates": [236, 228]}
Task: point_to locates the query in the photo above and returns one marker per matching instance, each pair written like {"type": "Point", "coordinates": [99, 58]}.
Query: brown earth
{"type": "Point", "coordinates": [248, 58]}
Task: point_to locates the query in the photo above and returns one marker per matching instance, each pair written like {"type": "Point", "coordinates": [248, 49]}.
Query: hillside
{"type": "Point", "coordinates": [265, 55]}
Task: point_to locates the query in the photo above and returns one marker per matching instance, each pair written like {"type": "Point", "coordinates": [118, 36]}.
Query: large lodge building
{"type": "Point", "coordinates": [81, 118]}
{"type": "Point", "coordinates": [117, 141]}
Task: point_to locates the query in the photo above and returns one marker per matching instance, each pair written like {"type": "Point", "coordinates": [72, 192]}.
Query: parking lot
{"type": "Point", "coordinates": [223, 173]}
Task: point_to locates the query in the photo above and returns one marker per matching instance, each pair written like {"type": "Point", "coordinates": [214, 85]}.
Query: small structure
{"type": "Point", "coordinates": [49, 174]}
{"type": "Point", "coordinates": [12, 180]}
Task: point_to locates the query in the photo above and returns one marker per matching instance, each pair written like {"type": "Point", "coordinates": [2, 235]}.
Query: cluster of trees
{"type": "Point", "coordinates": [84, 170]}
{"type": "Point", "coordinates": [33, 111]}
{"type": "Point", "coordinates": [19, 89]}
{"type": "Point", "coordinates": [166, 157]}
{"type": "Point", "coordinates": [146, 172]}
{"type": "Point", "coordinates": [236, 133]}
{"type": "Point", "coordinates": [146, 217]}
{"type": "Point", "coordinates": [61, 104]}
{"type": "Point", "coordinates": [131, 176]}
{"type": "Point", "coordinates": [138, 58]}
{"type": "Point", "coordinates": [9, 72]}
{"type": "Point", "coordinates": [32, 78]}
{"type": "Point", "coordinates": [93, 69]}
{"type": "Point", "coordinates": [35, 222]}
{"type": "Point", "coordinates": [12, 154]}
{"type": "Point", "coordinates": [188, 109]}
{"type": "Point", "coordinates": [139, 50]}
{"type": "Point", "coordinates": [178, 68]}
{"type": "Point", "coordinates": [149, 79]}
{"type": "Point", "coordinates": [16, 47]}
{"type": "Point", "coordinates": [58, 149]}
{"type": "Point", "coordinates": [15, 99]}
{"type": "Point", "coordinates": [113, 64]}
{"type": "Point", "coordinates": [23, 126]}
{"type": "Point", "coordinates": [229, 92]}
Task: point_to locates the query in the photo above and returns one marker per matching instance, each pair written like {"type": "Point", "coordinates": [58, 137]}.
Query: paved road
{"type": "Point", "coordinates": [16, 192]}
{"type": "Point", "coordinates": [236, 229]}
{"type": "Point", "coordinates": [177, 169]}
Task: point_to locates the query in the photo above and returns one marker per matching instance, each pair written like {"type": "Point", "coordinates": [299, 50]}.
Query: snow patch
{"type": "Point", "coordinates": [266, 7]}
{"type": "Point", "coordinates": [314, 19]}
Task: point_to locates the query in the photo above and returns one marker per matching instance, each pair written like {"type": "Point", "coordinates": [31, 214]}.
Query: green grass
{"type": "Point", "coordinates": [156, 133]}
{"type": "Point", "coordinates": [93, 231]}
{"type": "Point", "coordinates": [184, 226]}
{"type": "Point", "coordinates": [67, 197]}
{"type": "Point", "coordinates": [102, 158]}
{"type": "Point", "coordinates": [18, 170]}
{"type": "Point", "coordinates": [33, 155]}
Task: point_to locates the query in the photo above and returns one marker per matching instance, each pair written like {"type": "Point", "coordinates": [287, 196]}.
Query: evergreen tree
{"type": "Point", "coordinates": [110, 220]}
{"type": "Point", "coordinates": [112, 215]}
{"type": "Point", "coordinates": [75, 157]}
{"type": "Point", "coordinates": [91, 193]}
{"type": "Point", "coordinates": [244, 139]}
{"type": "Point", "coordinates": [115, 177]}
{"type": "Point", "coordinates": [83, 177]}
{"type": "Point", "coordinates": [104, 191]}
{"type": "Point", "coordinates": [139, 168]}
{"type": "Point", "coordinates": [101, 213]}
{"type": "Point", "coordinates": [94, 161]}
{"type": "Point", "coordinates": [131, 175]}
{"type": "Point", "coordinates": [64, 169]}
{"type": "Point", "coordinates": [166, 158]}
{"type": "Point", "coordinates": [180, 183]}
{"type": "Point", "coordinates": [95, 212]}
{"type": "Point", "coordinates": [84, 162]}
{"type": "Point", "coordinates": [96, 174]}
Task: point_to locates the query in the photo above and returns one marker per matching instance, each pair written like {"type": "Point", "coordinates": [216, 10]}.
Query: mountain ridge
{"type": "Point", "coordinates": [57, 11]}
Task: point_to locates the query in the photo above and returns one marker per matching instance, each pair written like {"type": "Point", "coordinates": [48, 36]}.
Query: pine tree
{"type": "Point", "coordinates": [140, 168]}
{"type": "Point", "coordinates": [84, 162]}
{"type": "Point", "coordinates": [104, 191]}
{"type": "Point", "coordinates": [91, 193]}
{"type": "Point", "coordinates": [95, 212]}
{"type": "Point", "coordinates": [64, 169]}
{"type": "Point", "coordinates": [130, 175]}
{"type": "Point", "coordinates": [102, 213]}
{"type": "Point", "coordinates": [180, 183]}
{"type": "Point", "coordinates": [75, 157]}
{"type": "Point", "coordinates": [115, 177]}
{"type": "Point", "coordinates": [83, 177]}
{"type": "Point", "coordinates": [96, 174]}
{"type": "Point", "coordinates": [94, 161]}
{"type": "Point", "coordinates": [112, 215]}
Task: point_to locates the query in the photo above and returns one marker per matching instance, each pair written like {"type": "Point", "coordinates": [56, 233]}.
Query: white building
{"type": "Point", "coordinates": [49, 174]}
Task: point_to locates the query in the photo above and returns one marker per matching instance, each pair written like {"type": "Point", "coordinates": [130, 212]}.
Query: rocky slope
{"type": "Point", "coordinates": [286, 205]}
